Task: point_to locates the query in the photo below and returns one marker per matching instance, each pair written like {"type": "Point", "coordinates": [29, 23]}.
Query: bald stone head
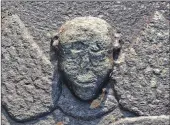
{"type": "Point", "coordinates": [85, 47]}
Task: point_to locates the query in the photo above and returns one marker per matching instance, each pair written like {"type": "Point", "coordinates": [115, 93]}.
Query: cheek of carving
{"type": "Point", "coordinates": [85, 60]}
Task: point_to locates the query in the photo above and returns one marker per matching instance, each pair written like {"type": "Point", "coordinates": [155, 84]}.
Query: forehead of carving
{"type": "Point", "coordinates": [85, 29]}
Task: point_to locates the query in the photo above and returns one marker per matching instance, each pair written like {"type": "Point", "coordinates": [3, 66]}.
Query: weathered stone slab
{"type": "Point", "coordinates": [142, 79]}
{"type": "Point", "coordinates": [128, 16]}
{"type": "Point", "coordinates": [27, 87]}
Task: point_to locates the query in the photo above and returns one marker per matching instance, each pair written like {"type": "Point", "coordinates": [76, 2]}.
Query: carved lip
{"type": "Point", "coordinates": [85, 85]}
{"type": "Point", "coordinates": [87, 81]}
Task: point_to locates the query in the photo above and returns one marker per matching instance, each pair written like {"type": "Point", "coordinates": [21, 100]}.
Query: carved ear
{"type": "Point", "coordinates": [117, 42]}
{"type": "Point", "coordinates": [54, 47]}
{"type": "Point", "coordinates": [55, 40]}
{"type": "Point", "coordinates": [117, 45]}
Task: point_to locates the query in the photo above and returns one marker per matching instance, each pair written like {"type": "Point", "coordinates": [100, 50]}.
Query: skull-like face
{"type": "Point", "coordinates": [85, 55]}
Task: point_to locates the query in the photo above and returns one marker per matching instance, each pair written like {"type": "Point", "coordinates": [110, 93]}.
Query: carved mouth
{"type": "Point", "coordinates": [86, 78]}
{"type": "Point", "coordinates": [85, 84]}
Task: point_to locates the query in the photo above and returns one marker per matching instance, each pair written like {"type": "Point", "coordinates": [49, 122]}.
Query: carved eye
{"type": "Point", "coordinates": [79, 45]}
{"type": "Point", "coordinates": [94, 49]}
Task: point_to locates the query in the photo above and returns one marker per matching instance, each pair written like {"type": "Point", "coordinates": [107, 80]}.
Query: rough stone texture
{"type": "Point", "coordinates": [58, 117]}
{"type": "Point", "coordinates": [43, 17]}
{"type": "Point", "coordinates": [143, 120]}
{"type": "Point", "coordinates": [142, 80]}
{"type": "Point", "coordinates": [28, 86]}
{"type": "Point", "coordinates": [40, 18]}
{"type": "Point", "coordinates": [54, 118]}
{"type": "Point", "coordinates": [47, 120]}
{"type": "Point", "coordinates": [85, 55]}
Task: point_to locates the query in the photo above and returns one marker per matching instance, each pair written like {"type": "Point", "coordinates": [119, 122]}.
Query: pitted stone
{"type": "Point", "coordinates": [143, 79]}
{"type": "Point", "coordinates": [144, 120]}
{"type": "Point", "coordinates": [27, 87]}
{"type": "Point", "coordinates": [85, 55]}
{"type": "Point", "coordinates": [85, 29]}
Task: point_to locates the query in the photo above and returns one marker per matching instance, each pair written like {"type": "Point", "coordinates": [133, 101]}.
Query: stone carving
{"type": "Point", "coordinates": [141, 76]}
{"type": "Point", "coordinates": [85, 55]}
{"type": "Point", "coordinates": [84, 49]}
{"type": "Point", "coordinates": [84, 63]}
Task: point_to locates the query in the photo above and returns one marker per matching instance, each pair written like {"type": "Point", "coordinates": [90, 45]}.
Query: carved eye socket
{"type": "Point", "coordinates": [94, 49]}
{"type": "Point", "coordinates": [96, 58]}
{"type": "Point", "coordinates": [79, 45]}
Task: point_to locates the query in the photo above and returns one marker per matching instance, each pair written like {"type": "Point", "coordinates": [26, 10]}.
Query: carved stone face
{"type": "Point", "coordinates": [85, 55]}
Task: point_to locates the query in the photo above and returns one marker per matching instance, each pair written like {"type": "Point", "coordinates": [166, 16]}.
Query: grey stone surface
{"type": "Point", "coordinates": [85, 59]}
{"type": "Point", "coordinates": [57, 117]}
{"type": "Point", "coordinates": [143, 120]}
{"type": "Point", "coordinates": [28, 86]}
{"type": "Point", "coordinates": [142, 79]}
{"type": "Point", "coordinates": [5, 120]}
{"type": "Point", "coordinates": [40, 18]}
{"type": "Point", "coordinates": [43, 17]}
{"type": "Point", "coordinates": [46, 120]}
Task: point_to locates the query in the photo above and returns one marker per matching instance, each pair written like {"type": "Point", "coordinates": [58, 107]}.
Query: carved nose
{"type": "Point", "coordinates": [85, 61]}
